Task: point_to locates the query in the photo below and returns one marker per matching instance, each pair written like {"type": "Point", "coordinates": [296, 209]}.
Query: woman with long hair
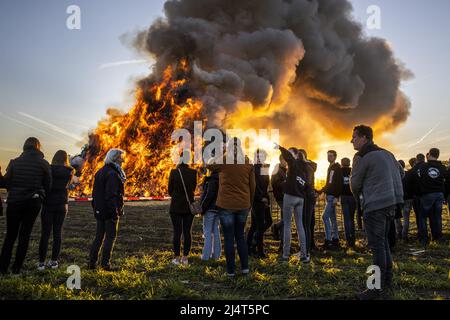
{"type": "Point", "coordinates": [55, 209]}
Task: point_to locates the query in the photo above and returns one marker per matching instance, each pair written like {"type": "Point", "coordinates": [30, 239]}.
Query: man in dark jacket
{"type": "Point", "coordinates": [28, 181]}
{"type": "Point", "coordinates": [348, 204]}
{"type": "Point", "coordinates": [432, 188]}
{"type": "Point", "coordinates": [332, 190]}
{"type": "Point", "coordinates": [412, 185]}
{"type": "Point", "coordinates": [376, 176]}
{"type": "Point", "coordinates": [261, 221]}
{"type": "Point", "coordinates": [108, 193]}
{"type": "Point", "coordinates": [278, 180]}
{"type": "Point", "coordinates": [408, 197]}
{"type": "Point", "coordinates": [309, 220]}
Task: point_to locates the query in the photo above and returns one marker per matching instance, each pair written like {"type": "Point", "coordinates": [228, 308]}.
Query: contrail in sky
{"type": "Point", "coordinates": [30, 126]}
{"type": "Point", "coordinates": [425, 136]}
{"type": "Point", "coordinates": [52, 126]}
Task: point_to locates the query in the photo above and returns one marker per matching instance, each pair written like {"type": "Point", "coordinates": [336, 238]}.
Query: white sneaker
{"type": "Point", "coordinates": [176, 262]}
{"type": "Point", "coordinates": [185, 261]}
{"type": "Point", "coordinates": [53, 264]}
{"type": "Point", "coordinates": [245, 271]}
{"type": "Point", "coordinates": [41, 266]}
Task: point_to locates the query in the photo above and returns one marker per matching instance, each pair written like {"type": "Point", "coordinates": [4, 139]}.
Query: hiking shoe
{"type": "Point", "coordinates": [41, 266]}
{"type": "Point", "coordinates": [53, 264]}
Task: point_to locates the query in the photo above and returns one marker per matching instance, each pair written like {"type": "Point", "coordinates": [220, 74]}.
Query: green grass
{"type": "Point", "coordinates": [143, 255]}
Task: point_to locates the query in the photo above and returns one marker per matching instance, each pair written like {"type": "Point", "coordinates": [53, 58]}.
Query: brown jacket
{"type": "Point", "coordinates": [236, 185]}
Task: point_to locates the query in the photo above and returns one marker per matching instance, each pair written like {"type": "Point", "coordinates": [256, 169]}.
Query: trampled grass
{"type": "Point", "coordinates": [143, 256]}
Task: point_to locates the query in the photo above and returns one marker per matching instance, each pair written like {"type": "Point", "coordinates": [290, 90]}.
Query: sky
{"type": "Point", "coordinates": [56, 83]}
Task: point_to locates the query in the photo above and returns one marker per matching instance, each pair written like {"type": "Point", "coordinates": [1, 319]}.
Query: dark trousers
{"type": "Point", "coordinates": [52, 219]}
{"type": "Point", "coordinates": [309, 221]}
{"type": "Point", "coordinates": [105, 237]}
{"type": "Point", "coordinates": [348, 204]}
{"type": "Point", "coordinates": [233, 227]}
{"type": "Point", "coordinates": [278, 227]}
{"type": "Point", "coordinates": [419, 219]}
{"type": "Point", "coordinates": [377, 225]}
{"type": "Point", "coordinates": [260, 223]}
{"type": "Point", "coordinates": [182, 225]}
{"type": "Point", "coordinates": [20, 218]}
{"type": "Point", "coordinates": [431, 208]}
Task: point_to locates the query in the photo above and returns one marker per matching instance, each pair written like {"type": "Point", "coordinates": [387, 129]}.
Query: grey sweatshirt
{"type": "Point", "coordinates": [377, 177]}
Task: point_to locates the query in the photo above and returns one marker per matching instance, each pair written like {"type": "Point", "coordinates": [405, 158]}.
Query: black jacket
{"type": "Point", "coordinates": [179, 203]}
{"type": "Point", "coordinates": [262, 183]}
{"type": "Point", "coordinates": [108, 194]}
{"type": "Point", "coordinates": [278, 180]}
{"type": "Point", "coordinates": [61, 178]}
{"type": "Point", "coordinates": [28, 175]}
{"type": "Point", "coordinates": [296, 181]}
{"type": "Point", "coordinates": [311, 168]}
{"type": "Point", "coordinates": [432, 177]}
{"type": "Point", "coordinates": [210, 190]}
{"type": "Point", "coordinates": [412, 180]}
{"type": "Point", "coordinates": [409, 184]}
{"type": "Point", "coordinates": [346, 173]}
{"type": "Point", "coordinates": [447, 184]}
{"type": "Point", "coordinates": [335, 180]}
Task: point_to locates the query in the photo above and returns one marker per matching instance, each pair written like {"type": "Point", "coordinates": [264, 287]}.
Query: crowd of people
{"type": "Point", "coordinates": [378, 192]}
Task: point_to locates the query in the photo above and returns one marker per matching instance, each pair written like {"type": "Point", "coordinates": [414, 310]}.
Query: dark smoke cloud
{"type": "Point", "coordinates": [270, 52]}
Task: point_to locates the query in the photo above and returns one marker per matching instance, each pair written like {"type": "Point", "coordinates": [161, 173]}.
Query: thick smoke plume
{"type": "Point", "coordinates": [296, 65]}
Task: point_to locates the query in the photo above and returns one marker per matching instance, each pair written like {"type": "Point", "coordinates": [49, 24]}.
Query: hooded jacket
{"type": "Point", "coordinates": [432, 177]}
{"type": "Point", "coordinates": [108, 194]}
{"type": "Point", "coordinates": [334, 184]}
{"type": "Point", "coordinates": [61, 178]}
{"type": "Point", "coordinates": [297, 181]}
{"type": "Point", "coordinates": [376, 175]}
{"type": "Point", "coordinates": [28, 175]}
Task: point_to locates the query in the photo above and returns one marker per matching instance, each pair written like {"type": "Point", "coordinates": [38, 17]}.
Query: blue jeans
{"type": "Point", "coordinates": [377, 225]}
{"type": "Point", "coordinates": [348, 204]}
{"type": "Point", "coordinates": [293, 205]}
{"type": "Point", "coordinates": [212, 246]}
{"type": "Point", "coordinates": [432, 205]}
{"type": "Point", "coordinates": [233, 227]}
{"type": "Point", "coordinates": [329, 219]}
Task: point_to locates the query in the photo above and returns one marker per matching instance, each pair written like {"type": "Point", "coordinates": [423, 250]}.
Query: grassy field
{"type": "Point", "coordinates": [143, 256]}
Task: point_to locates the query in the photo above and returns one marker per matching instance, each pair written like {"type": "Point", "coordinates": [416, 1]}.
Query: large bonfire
{"type": "Point", "coordinates": [144, 133]}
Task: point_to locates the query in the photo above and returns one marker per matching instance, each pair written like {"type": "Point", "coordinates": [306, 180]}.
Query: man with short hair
{"type": "Point", "coordinates": [432, 189]}
{"type": "Point", "coordinates": [409, 198]}
{"type": "Point", "coordinates": [332, 190]}
{"type": "Point", "coordinates": [413, 186]}
{"type": "Point", "coordinates": [376, 175]}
